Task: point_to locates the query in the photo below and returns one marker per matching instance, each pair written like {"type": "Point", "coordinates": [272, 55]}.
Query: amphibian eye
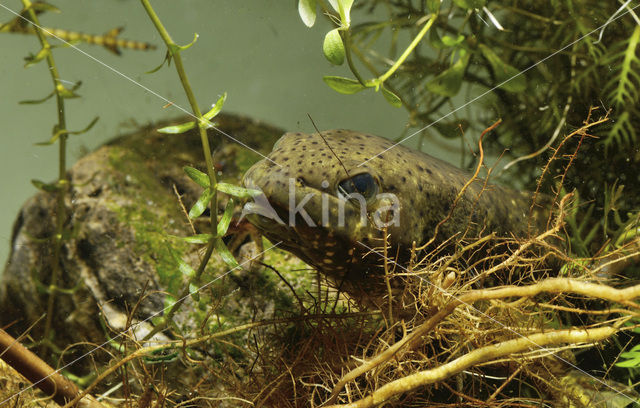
{"type": "Point", "coordinates": [363, 184]}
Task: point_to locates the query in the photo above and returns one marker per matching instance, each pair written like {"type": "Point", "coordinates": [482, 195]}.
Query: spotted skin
{"type": "Point", "coordinates": [425, 187]}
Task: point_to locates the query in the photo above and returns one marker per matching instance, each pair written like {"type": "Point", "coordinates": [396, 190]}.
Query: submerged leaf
{"type": "Point", "coordinates": [470, 4]}
{"type": "Point", "coordinates": [216, 108]}
{"type": "Point", "coordinates": [225, 220]}
{"type": "Point", "coordinates": [225, 254]}
{"type": "Point", "coordinates": [333, 47]}
{"type": "Point", "coordinates": [48, 187]}
{"type": "Point", "coordinates": [307, 11]}
{"type": "Point", "coordinates": [449, 82]}
{"type": "Point", "coordinates": [177, 129]}
{"type": "Point", "coordinates": [509, 78]}
{"type": "Point", "coordinates": [392, 98]}
{"type": "Point", "coordinates": [343, 85]}
{"type": "Point", "coordinates": [197, 239]}
{"type": "Point", "coordinates": [37, 101]}
{"type": "Point", "coordinates": [201, 205]}
{"type": "Point", "coordinates": [167, 59]}
{"type": "Point", "coordinates": [237, 191]}
{"type": "Point", "coordinates": [196, 175]}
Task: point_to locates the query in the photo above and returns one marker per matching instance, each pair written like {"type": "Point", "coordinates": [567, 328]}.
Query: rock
{"type": "Point", "coordinates": [119, 255]}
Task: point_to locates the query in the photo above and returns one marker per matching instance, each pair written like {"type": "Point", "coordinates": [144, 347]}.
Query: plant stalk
{"type": "Point", "coordinates": [62, 172]}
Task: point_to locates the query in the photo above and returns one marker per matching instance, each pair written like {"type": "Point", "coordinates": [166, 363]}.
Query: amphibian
{"type": "Point", "coordinates": [306, 177]}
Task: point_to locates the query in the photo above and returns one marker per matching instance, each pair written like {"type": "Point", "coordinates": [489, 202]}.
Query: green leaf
{"type": "Point", "coordinates": [451, 130]}
{"type": "Point", "coordinates": [448, 82]}
{"type": "Point", "coordinates": [625, 80]}
{"type": "Point", "coordinates": [634, 360]}
{"type": "Point", "coordinates": [169, 301]}
{"type": "Point", "coordinates": [41, 7]}
{"type": "Point", "coordinates": [470, 4]}
{"type": "Point", "coordinates": [167, 59]}
{"type": "Point", "coordinates": [333, 47]}
{"type": "Point", "coordinates": [48, 187]}
{"type": "Point", "coordinates": [67, 93]}
{"type": "Point", "coordinates": [37, 101]}
{"type": "Point", "coordinates": [86, 129]}
{"type": "Point", "coordinates": [58, 133]}
{"type": "Point", "coordinates": [344, 8]}
{"type": "Point", "coordinates": [184, 47]}
{"type": "Point", "coordinates": [237, 191]}
{"type": "Point", "coordinates": [225, 254]}
{"type": "Point", "coordinates": [509, 78]}
{"type": "Point", "coordinates": [392, 98]}
{"type": "Point", "coordinates": [225, 220]}
{"type": "Point", "coordinates": [216, 108]}
{"type": "Point", "coordinates": [177, 129]}
{"type": "Point", "coordinates": [196, 239]}
{"type": "Point", "coordinates": [201, 205]}
{"type": "Point", "coordinates": [184, 268]}
{"type": "Point", "coordinates": [433, 5]}
{"type": "Point", "coordinates": [161, 356]}
{"type": "Point", "coordinates": [344, 85]}
{"type": "Point", "coordinates": [445, 42]}
{"type": "Point", "coordinates": [34, 59]}
{"type": "Point", "coordinates": [307, 11]}
{"type": "Point", "coordinates": [196, 175]}
{"type": "Point", "coordinates": [452, 42]}
{"type": "Point", "coordinates": [193, 291]}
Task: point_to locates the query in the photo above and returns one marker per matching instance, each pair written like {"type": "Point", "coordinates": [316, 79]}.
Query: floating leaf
{"type": "Point", "coordinates": [225, 220]}
{"type": "Point", "coordinates": [196, 175]}
{"type": "Point", "coordinates": [333, 47]}
{"type": "Point", "coordinates": [307, 11]}
{"type": "Point", "coordinates": [216, 108]}
{"type": "Point", "coordinates": [201, 205]}
{"type": "Point", "coordinates": [344, 85]}
{"type": "Point", "coordinates": [177, 129]}
{"type": "Point", "coordinates": [392, 98]}
{"type": "Point", "coordinates": [226, 256]}
{"type": "Point", "coordinates": [237, 191]}
{"type": "Point", "coordinates": [448, 82]}
{"type": "Point", "coordinates": [470, 4]}
{"type": "Point", "coordinates": [509, 78]}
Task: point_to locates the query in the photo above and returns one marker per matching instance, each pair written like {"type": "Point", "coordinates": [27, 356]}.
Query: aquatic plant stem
{"type": "Point", "coordinates": [407, 52]}
{"type": "Point", "coordinates": [346, 38]}
{"type": "Point", "coordinates": [63, 184]}
{"type": "Point", "coordinates": [203, 124]}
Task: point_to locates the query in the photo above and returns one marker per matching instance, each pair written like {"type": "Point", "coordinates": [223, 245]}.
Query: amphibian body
{"type": "Point", "coordinates": [307, 177]}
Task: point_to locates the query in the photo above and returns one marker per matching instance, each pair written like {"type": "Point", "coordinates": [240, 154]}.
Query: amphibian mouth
{"type": "Point", "coordinates": [306, 178]}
